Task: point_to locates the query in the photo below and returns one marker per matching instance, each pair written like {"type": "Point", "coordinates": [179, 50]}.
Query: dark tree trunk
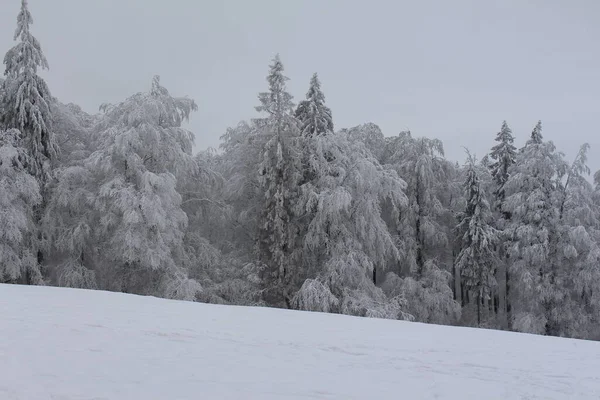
{"type": "Point", "coordinates": [508, 305]}
{"type": "Point", "coordinates": [454, 291]}
{"type": "Point", "coordinates": [479, 308]}
{"type": "Point", "coordinates": [420, 262]}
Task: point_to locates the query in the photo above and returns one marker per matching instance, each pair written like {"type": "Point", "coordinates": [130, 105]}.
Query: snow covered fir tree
{"type": "Point", "coordinates": [292, 211]}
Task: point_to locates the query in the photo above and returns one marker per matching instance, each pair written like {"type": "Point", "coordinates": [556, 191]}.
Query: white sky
{"type": "Point", "coordinates": [447, 69]}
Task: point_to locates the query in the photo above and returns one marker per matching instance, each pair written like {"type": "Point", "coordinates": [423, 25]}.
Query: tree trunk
{"type": "Point", "coordinates": [420, 262]}
{"type": "Point", "coordinates": [479, 308]}
{"type": "Point", "coordinates": [454, 291]}
{"type": "Point", "coordinates": [508, 305]}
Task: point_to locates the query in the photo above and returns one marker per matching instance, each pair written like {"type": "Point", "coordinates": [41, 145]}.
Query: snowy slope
{"type": "Point", "coordinates": [62, 344]}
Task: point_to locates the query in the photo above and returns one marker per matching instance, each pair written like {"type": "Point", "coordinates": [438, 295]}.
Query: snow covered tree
{"type": "Point", "coordinates": [123, 199]}
{"type": "Point", "coordinates": [576, 255]}
{"type": "Point", "coordinates": [314, 116]}
{"type": "Point", "coordinates": [504, 156]}
{"type": "Point", "coordinates": [26, 99]}
{"type": "Point", "coordinates": [242, 148]}
{"type": "Point", "coordinates": [371, 135]}
{"type": "Point", "coordinates": [341, 238]}
{"type": "Point", "coordinates": [347, 239]}
{"type": "Point", "coordinates": [532, 193]}
{"type": "Point", "coordinates": [279, 174]}
{"type": "Point", "coordinates": [422, 239]}
{"type": "Point", "coordinates": [19, 194]}
{"type": "Point", "coordinates": [69, 217]}
{"type": "Point", "coordinates": [218, 246]}
{"type": "Point", "coordinates": [72, 131]}
{"type": "Point", "coordinates": [476, 260]}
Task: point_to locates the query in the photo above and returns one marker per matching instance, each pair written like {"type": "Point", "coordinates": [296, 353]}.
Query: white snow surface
{"type": "Point", "coordinates": [67, 344]}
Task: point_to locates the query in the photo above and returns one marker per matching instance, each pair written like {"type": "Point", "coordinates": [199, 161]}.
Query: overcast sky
{"type": "Point", "coordinates": [447, 69]}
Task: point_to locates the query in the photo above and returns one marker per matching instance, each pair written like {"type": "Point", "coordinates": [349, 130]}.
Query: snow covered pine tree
{"type": "Point", "coordinates": [26, 98]}
{"type": "Point", "coordinates": [279, 175]}
{"type": "Point", "coordinates": [477, 258]}
{"type": "Point", "coordinates": [25, 105]}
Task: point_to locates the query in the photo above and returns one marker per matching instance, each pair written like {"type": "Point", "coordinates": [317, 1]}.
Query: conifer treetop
{"type": "Point", "coordinates": [26, 98]}
{"type": "Point", "coordinates": [505, 145]}
{"type": "Point", "coordinates": [277, 101]}
{"type": "Point", "coordinates": [536, 134]}
{"type": "Point", "coordinates": [28, 53]}
{"type": "Point", "coordinates": [315, 117]}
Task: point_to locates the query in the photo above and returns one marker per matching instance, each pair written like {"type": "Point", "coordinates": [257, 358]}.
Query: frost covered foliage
{"type": "Point", "coordinates": [421, 236]}
{"type": "Point", "coordinates": [346, 238]}
{"type": "Point", "coordinates": [532, 199]}
{"type": "Point", "coordinates": [370, 134]}
{"type": "Point", "coordinates": [19, 193]}
{"type": "Point", "coordinates": [123, 199]}
{"type": "Point", "coordinates": [476, 260]}
{"type": "Point", "coordinates": [217, 259]}
{"type": "Point", "coordinates": [26, 98]}
{"type": "Point", "coordinates": [577, 254]}
{"type": "Point", "coordinates": [72, 130]}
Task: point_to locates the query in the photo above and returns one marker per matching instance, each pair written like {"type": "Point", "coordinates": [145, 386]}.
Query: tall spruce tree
{"type": "Point", "coordinates": [278, 180]}
{"type": "Point", "coordinates": [476, 260]}
{"type": "Point", "coordinates": [26, 97]}
{"type": "Point", "coordinates": [504, 156]}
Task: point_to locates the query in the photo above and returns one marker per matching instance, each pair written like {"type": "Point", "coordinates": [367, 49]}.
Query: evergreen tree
{"type": "Point", "coordinates": [532, 199]}
{"type": "Point", "coordinates": [504, 155]}
{"type": "Point", "coordinates": [279, 175]}
{"type": "Point", "coordinates": [314, 116]}
{"type": "Point", "coordinates": [26, 99]}
{"type": "Point", "coordinates": [476, 259]}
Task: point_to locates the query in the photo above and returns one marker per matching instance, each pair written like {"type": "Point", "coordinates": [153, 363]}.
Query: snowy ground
{"type": "Point", "coordinates": [61, 344]}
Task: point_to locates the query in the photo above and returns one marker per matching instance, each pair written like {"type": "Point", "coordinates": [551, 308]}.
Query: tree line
{"type": "Point", "coordinates": [291, 212]}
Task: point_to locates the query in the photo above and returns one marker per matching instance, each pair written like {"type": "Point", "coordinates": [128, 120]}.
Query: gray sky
{"type": "Point", "coordinates": [447, 69]}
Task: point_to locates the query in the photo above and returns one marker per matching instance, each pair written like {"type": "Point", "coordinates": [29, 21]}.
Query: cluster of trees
{"type": "Point", "coordinates": [291, 213]}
